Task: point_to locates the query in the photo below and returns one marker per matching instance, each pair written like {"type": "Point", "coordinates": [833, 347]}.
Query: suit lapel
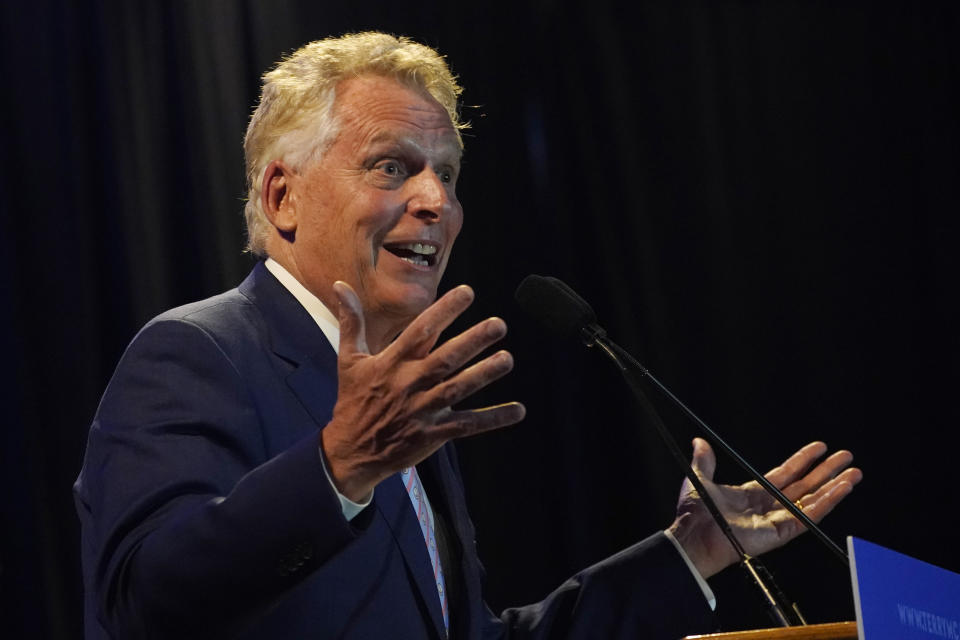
{"type": "Point", "coordinates": [296, 338]}
{"type": "Point", "coordinates": [316, 388]}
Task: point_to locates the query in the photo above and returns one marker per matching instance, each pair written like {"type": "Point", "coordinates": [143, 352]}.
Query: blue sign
{"type": "Point", "coordinates": [901, 598]}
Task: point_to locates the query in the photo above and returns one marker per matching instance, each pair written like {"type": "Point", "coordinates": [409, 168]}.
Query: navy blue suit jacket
{"type": "Point", "coordinates": [206, 513]}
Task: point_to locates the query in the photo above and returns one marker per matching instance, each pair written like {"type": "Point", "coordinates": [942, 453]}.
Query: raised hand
{"type": "Point", "coordinates": [394, 408]}
{"type": "Point", "coordinates": [758, 520]}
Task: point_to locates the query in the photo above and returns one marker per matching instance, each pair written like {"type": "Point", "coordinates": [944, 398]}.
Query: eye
{"type": "Point", "coordinates": [446, 175]}
{"type": "Point", "coordinates": [391, 168]}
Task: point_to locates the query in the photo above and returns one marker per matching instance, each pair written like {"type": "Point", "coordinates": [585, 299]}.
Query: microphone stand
{"type": "Point", "coordinates": [778, 606]}
{"type": "Point", "coordinates": [717, 441]}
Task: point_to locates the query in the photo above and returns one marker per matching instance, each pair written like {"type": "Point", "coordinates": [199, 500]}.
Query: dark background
{"type": "Point", "coordinates": [760, 199]}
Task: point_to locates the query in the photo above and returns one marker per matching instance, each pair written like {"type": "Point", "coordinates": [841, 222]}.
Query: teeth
{"type": "Point", "coordinates": [417, 253]}
{"type": "Point", "coordinates": [419, 247]}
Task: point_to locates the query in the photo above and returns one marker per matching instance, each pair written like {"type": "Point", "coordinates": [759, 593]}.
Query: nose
{"type": "Point", "coordinates": [430, 197]}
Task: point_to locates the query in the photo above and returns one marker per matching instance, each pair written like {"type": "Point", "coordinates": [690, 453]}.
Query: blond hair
{"type": "Point", "coordinates": [295, 120]}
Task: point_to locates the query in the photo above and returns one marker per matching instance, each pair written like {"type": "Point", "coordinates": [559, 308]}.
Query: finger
{"type": "Point", "coordinates": [353, 332]}
{"type": "Point", "coordinates": [820, 474]}
{"type": "Point", "coordinates": [419, 337]}
{"type": "Point", "coordinates": [470, 422]}
{"type": "Point", "coordinates": [818, 508]}
{"type": "Point", "coordinates": [850, 476]}
{"type": "Point", "coordinates": [704, 459]}
{"type": "Point", "coordinates": [794, 466]}
{"type": "Point", "coordinates": [456, 352]}
{"type": "Point", "coordinates": [467, 382]}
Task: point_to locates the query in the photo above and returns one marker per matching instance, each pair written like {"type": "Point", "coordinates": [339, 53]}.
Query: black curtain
{"type": "Point", "coordinates": [759, 198]}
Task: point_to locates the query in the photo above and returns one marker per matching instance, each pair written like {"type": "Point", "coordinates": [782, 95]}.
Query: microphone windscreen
{"type": "Point", "coordinates": [555, 305]}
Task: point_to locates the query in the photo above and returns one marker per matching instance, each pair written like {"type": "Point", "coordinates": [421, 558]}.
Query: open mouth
{"type": "Point", "coordinates": [418, 253]}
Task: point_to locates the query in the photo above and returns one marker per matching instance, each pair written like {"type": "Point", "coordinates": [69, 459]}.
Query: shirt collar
{"type": "Point", "coordinates": [324, 318]}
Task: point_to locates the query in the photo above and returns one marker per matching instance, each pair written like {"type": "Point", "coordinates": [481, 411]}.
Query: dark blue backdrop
{"type": "Point", "coordinates": [760, 199]}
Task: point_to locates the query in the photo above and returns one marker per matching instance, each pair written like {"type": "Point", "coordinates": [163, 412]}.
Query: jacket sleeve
{"type": "Point", "coordinates": [189, 529]}
{"type": "Point", "coordinates": [644, 591]}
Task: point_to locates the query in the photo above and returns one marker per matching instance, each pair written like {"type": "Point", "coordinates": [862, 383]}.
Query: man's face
{"type": "Point", "coordinates": [380, 210]}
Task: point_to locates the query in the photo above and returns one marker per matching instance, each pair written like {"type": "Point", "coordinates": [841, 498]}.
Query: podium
{"type": "Point", "coordinates": [832, 631]}
{"type": "Point", "coordinates": [896, 597]}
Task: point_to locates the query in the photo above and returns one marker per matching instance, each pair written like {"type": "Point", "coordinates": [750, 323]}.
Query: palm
{"type": "Point", "coordinates": [758, 521]}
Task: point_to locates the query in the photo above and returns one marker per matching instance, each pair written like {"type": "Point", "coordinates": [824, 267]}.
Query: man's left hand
{"type": "Point", "coordinates": [759, 522]}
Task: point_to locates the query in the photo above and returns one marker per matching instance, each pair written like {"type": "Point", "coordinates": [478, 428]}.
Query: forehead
{"type": "Point", "coordinates": [374, 109]}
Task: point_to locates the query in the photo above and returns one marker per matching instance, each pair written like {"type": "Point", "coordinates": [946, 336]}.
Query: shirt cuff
{"type": "Point", "coordinates": [707, 591]}
{"type": "Point", "coordinates": [350, 508]}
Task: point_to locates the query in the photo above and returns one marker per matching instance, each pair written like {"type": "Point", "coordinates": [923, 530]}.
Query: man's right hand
{"type": "Point", "coordinates": [395, 408]}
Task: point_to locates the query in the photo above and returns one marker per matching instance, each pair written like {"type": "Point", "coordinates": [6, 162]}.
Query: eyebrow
{"type": "Point", "coordinates": [405, 142]}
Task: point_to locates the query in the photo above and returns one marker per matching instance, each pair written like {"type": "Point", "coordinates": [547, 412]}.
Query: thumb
{"type": "Point", "coordinates": [704, 459]}
{"type": "Point", "coordinates": [353, 332]}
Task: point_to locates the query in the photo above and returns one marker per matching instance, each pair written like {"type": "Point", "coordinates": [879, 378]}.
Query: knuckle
{"type": "Point", "coordinates": [426, 332]}
{"type": "Point", "coordinates": [452, 392]}
{"type": "Point", "coordinates": [445, 364]}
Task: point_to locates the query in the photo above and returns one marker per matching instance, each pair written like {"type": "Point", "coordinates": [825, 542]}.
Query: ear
{"type": "Point", "coordinates": [276, 198]}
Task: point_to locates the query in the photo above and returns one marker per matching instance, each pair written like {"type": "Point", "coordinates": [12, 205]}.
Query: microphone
{"type": "Point", "coordinates": [558, 308]}
{"type": "Point", "coordinates": [561, 311]}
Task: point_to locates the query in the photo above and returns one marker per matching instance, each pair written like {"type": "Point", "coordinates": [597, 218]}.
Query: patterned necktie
{"type": "Point", "coordinates": [411, 480]}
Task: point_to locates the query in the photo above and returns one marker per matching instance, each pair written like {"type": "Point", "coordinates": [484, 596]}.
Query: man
{"type": "Point", "coordinates": [274, 462]}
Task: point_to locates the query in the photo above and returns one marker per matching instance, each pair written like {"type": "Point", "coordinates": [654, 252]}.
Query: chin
{"type": "Point", "coordinates": [407, 302]}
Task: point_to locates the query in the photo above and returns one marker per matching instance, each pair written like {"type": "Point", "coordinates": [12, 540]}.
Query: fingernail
{"type": "Point", "coordinates": [521, 412]}
{"type": "Point", "coordinates": [496, 327]}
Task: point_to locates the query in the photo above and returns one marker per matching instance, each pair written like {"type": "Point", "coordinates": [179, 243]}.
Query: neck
{"type": "Point", "coordinates": [382, 329]}
{"type": "Point", "coordinates": [381, 325]}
